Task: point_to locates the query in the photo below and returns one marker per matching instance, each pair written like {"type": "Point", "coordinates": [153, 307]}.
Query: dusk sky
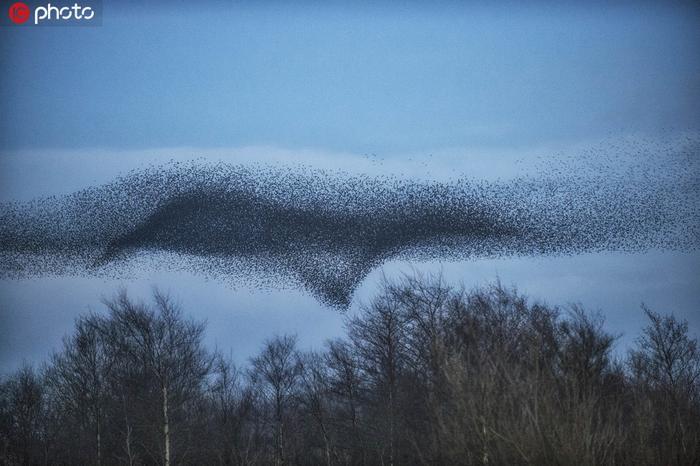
{"type": "Point", "coordinates": [433, 92]}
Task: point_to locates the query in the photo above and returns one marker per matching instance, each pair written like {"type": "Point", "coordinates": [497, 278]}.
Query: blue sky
{"type": "Point", "coordinates": [432, 90]}
{"type": "Point", "coordinates": [391, 78]}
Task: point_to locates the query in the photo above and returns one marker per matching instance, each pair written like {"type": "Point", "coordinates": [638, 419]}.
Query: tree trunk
{"type": "Point", "coordinates": [166, 425]}
{"type": "Point", "coordinates": [326, 441]}
{"type": "Point", "coordinates": [128, 446]}
{"type": "Point", "coordinates": [391, 426]}
{"type": "Point", "coordinates": [98, 435]}
{"type": "Point", "coordinates": [99, 446]}
{"type": "Point", "coordinates": [279, 456]}
{"type": "Point", "coordinates": [127, 436]}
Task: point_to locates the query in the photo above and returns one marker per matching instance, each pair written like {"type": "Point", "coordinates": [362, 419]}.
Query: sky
{"type": "Point", "coordinates": [483, 90]}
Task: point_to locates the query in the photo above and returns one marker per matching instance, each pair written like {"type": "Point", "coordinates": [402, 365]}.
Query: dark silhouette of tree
{"type": "Point", "coordinates": [164, 353]}
{"type": "Point", "coordinates": [665, 369]}
{"type": "Point", "coordinates": [427, 374]}
{"type": "Point", "coordinates": [276, 372]}
{"type": "Point", "coordinates": [378, 336]}
{"type": "Point", "coordinates": [77, 380]}
{"type": "Point", "coordinates": [22, 414]}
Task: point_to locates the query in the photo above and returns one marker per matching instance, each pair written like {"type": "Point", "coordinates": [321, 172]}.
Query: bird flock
{"type": "Point", "coordinates": [326, 231]}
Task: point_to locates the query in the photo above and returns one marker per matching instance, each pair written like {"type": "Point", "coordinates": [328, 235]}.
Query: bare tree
{"type": "Point", "coordinates": [233, 408]}
{"type": "Point", "coordinates": [167, 347]}
{"type": "Point", "coordinates": [315, 397]}
{"type": "Point", "coordinates": [428, 374]}
{"type": "Point", "coordinates": [666, 368]}
{"type": "Point", "coordinates": [77, 376]}
{"type": "Point", "coordinates": [276, 370]}
{"type": "Point", "coordinates": [378, 336]}
{"type": "Point", "coordinates": [346, 384]}
{"type": "Point", "coordinates": [21, 411]}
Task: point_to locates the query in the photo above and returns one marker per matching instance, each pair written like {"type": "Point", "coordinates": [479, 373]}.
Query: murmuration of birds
{"type": "Point", "coordinates": [326, 231]}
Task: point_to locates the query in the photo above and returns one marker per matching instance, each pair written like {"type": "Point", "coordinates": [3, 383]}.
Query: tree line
{"type": "Point", "coordinates": [427, 373]}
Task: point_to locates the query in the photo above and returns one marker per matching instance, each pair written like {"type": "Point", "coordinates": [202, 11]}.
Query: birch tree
{"type": "Point", "coordinates": [167, 347]}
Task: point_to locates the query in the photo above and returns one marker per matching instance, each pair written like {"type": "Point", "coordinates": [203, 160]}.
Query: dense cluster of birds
{"type": "Point", "coordinates": [326, 231]}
